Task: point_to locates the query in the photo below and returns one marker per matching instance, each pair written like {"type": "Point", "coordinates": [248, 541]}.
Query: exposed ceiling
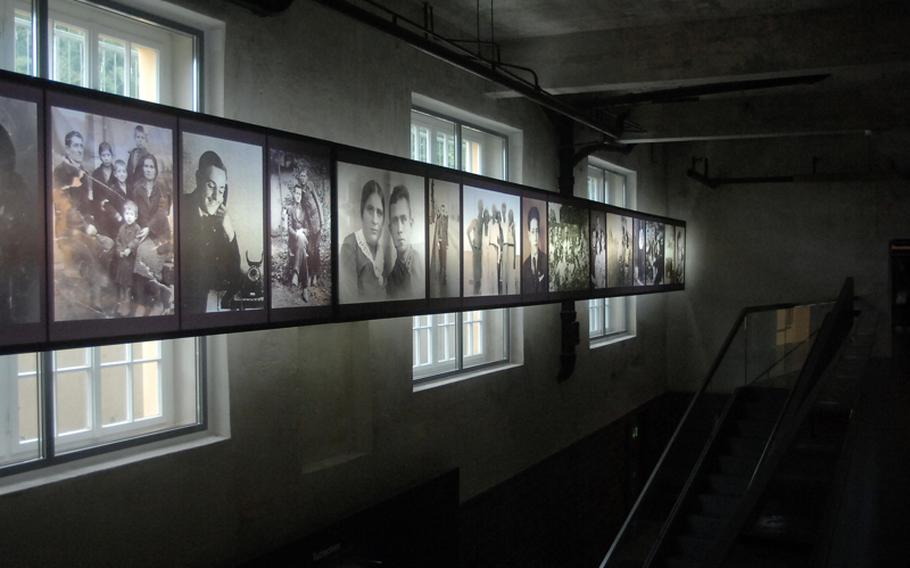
{"type": "Point", "coordinates": [724, 56]}
{"type": "Point", "coordinates": [522, 19]}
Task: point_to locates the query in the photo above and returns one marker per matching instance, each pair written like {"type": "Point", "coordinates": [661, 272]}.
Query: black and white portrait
{"type": "Point", "coordinates": [113, 201]}
{"type": "Point", "coordinates": [679, 264]}
{"type": "Point", "coordinates": [534, 265]}
{"type": "Point", "coordinates": [655, 253]}
{"type": "Point", "coordinates": [598, 250]}
{"type": "Point", "coordinates": [640, 245]}
{"type": "Point", "coordinates": [619, 251]}
{"type": "Point", "coordinates": [21, 255]}
{"type": "Point", "coordinates": [491, 246]}
{"type": "Point", "coordinates": [569, 247]}
{"type": "Point", "coordinates": [380, 235]}
{"type": "Point", "coordinates": [445, 238]}
{"type": "Point", "coordinates": [221, 225]}
{"type": "Point", "coordinates": [301, 229]}
{"type": "Point", "coordinates": [670, 254]}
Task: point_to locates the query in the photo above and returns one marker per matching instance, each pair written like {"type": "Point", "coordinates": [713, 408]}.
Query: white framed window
{"type": "Point", "coordinates": [93, 45]}
{"type": "Point", "coordinates": [483, 337]}
{"type": "Point", "coordinates": [74, 403]}
{"type": "Point", "coordinates": [610, 318]}
{"type": "Point", "coordinates": [446, 344]}
{"type": "Point", "coordinates": [98, 396]}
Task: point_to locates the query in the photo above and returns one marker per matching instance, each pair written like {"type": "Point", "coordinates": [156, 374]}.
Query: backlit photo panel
{"type": "Point", "coordinates": [640, 247]}
{"type": "Point", "coordinates": [569, 246]}
{"type": "Point", "coordinates": [655, 253]}
{"type": "Point", "coordinates": [21, 251]}
{"type": "Point", "coordinates": [491, 247]}
{"type": "Point", "coordinates": [534, 265]}
{"type": "Point", "coordinates": [670, 255]}
{"type": "Point", "coordinates": [300, 194]}
{"type": "Point", "coordinates": [598, 250]}
{"type": "Point", "coordinates": [221, 225]}
{"type": "Point", "coordinates": [381, 243]}
{"type": "Point", "coordinates": [680, 273]}
{"type": "Point", "coordinates": [619, 251]}
{"type": "Point", "coordinates": [445, 238]}
{"type": "Point", "coordinates": [113, 217]}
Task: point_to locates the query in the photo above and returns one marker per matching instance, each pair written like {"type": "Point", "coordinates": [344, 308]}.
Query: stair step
{"type": "Point", "coordinates": [737, 466]}
{"type": "Point", "coordinates": [704, 526]}
{"type": "Point", "coordinates": [681, 562]}
{"type": "Point", "coordinates": [714, 505]}
{"type": "Point", "coordinates": [727, 484]}
{"type": "Point", "coordinates": [693, 547]}
{"type": "Point", "coordinates": [745, 447]}
{"type": "Point", "coordinates": [753, 428]}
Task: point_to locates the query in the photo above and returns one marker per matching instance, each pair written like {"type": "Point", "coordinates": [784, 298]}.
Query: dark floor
{"type": "Point", "coordinates": [873, 527]}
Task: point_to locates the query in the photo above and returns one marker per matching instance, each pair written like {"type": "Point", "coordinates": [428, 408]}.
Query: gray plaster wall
{"type": "Point", "coordinates": [323, 418]}
{"type": "Point", "coordinates": [789, 242]}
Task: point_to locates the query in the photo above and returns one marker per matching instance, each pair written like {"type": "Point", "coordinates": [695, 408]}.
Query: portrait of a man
{"type": "Point", "coordinates": [534, 266]}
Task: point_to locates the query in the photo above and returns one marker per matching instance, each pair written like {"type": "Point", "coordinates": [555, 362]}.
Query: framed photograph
{"type": "Point", "coordinates": [655, 253]}
{"type": "Point", "coordinates": [222, 237]}
{"type": "Point", "coordinates": [112, 198]}
{"type": "Point", "coordinates": [640, 247]}
{"type": "Point", "coordinates": [300, 229]}
{"type": "Point", "coordinates": [678, 274]}
{"type": "Point", "coordinates": [444, 223]}
{"type": "Point", "coordinates": [619, 251]}
{"type": "Point", "coordinates": [22, 226]}
{"type": "Point", "coordinates": [569, 245]}
{"type": "Point", "coordinates": [491, 252]}
{"type": "Point", "coordinates": [534, 266]}
{"type": "Point", "coordinates": [598, 250]}
{"type": "Point", "coordinates": [381, 235]}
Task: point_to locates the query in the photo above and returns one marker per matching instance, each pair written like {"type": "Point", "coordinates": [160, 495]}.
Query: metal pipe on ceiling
{"type": "Point", "coordinates": [431, 43]}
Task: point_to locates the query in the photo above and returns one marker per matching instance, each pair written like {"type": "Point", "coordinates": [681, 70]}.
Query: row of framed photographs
{"type": "Point", "coordinates": [119, 218]}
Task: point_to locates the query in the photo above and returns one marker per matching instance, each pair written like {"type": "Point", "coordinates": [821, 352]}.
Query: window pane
{"type": "Point", "coordinates": [114, 395]}
{"type": "Point", "coordinates": [144, 73]}
{"type": "Point", "coordinates": [432, 139]}
{"type": "Point", "coordinates": [112, 65]}
{"type": "Point", "coordinates": [488, 344]}
{"type": "Point", "coordinates": [616, 189]}
{"type": "Point", "coordinates": [69, 54]}
{"type": "Point", "coordinates": [73, 400]}
{"type": "Point", "coordinates": [146, 350]}
{"type": "Point", "coordinates": [146, 390]}
{"type": "Point", "coordinates": [72, 358]}
{"type": "Point", "coordinates": [113, 354]}
{"type": "Point", "coordinates": [595, 183]}
{"type": "Point", "coordinates": [24, 47]}
{"type": "Point", "coordinates": [19, 410]}
{"type": "Point", "coordinates": [484, 153]}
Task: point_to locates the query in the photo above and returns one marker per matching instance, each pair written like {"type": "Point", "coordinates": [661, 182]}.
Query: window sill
{"type": "Point", "coordinates": [427, 384]}
{"type": "Point", "coordinates": [608, 340]}
{"type": "Point", "coordinates": [102, 462]}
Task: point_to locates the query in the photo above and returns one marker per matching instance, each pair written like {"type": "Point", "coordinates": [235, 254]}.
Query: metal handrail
{"type": "Point", "coordinates": [731, 335]}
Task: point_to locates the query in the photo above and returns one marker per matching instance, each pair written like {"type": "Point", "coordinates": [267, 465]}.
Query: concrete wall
{"type": "Point", "coordinates": [766, 243]}
{"type": "Point", "coordinates": [323, 418]}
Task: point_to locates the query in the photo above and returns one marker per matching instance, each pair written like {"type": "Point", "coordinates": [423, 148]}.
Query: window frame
{"type": "Point", "coordinates": [604, 332]}
{"type": "Point", "coordinates": [459, 139]}
{"type": "Point", "coordinates": [49, 455]}
{"type": "Point", "coordinates": [444, 373]}
{"type": "Point", "coordinates": [42, 19]}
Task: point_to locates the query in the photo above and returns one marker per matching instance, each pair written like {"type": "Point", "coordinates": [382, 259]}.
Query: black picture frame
{"type": "Point", "coordinates": [29, 224]}
{"type": "Point", "coordinates": [448, 303]}
{"type": "Point", "coordinates": [584, 289]}
{"type": "Point", "coordinates": [103, 328]}
{"type": "Point", "coordinates": [191, 319]}
{"type": "Point", "coordinates": [321, 155]}
{"type": "Point", "coordinates": [387, 307]}
{"type": "Point", "coordinates": [473, 181]}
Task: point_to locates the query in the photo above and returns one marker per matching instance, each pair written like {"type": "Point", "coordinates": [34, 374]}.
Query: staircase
{"type": "Point", "coordinates": [747, 481]}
